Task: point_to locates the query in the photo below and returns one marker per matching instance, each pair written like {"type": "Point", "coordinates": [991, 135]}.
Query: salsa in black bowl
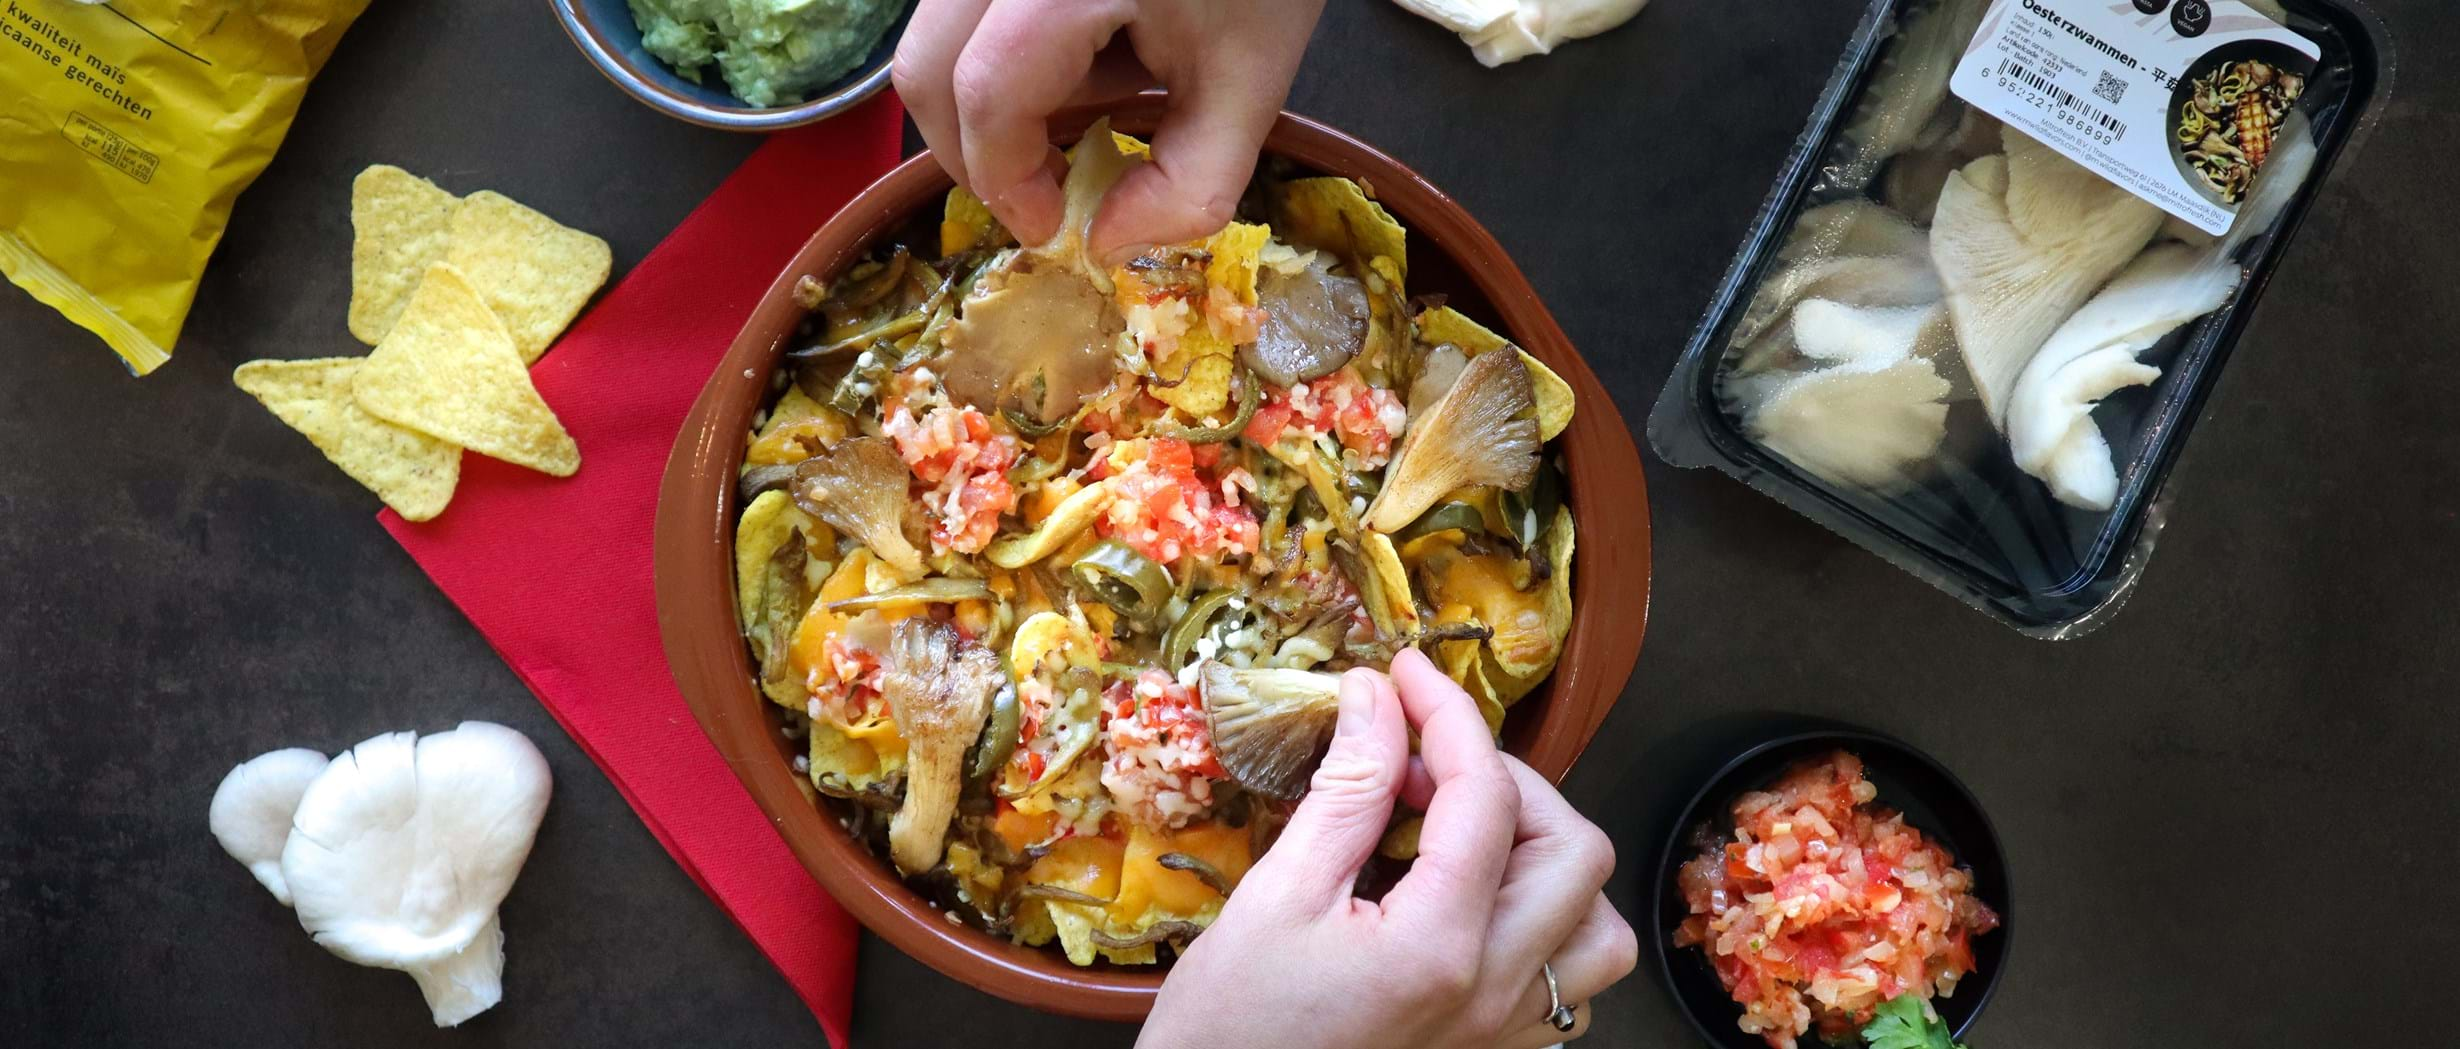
{"type": "Point", "coordinates": [1966, 891]}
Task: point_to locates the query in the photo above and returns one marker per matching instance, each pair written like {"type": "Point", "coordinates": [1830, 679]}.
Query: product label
{"type": "Point", "coordinates": [2176, 100]}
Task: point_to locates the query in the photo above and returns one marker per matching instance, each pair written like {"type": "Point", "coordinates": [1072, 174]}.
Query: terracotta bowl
{"type": "Point", "coordinates": [1449, 254]}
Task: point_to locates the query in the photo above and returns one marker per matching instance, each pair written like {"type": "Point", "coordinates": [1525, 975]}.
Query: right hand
{"type": "Point", "coordinates": [982, 77]}
{"type": "Point", "coordinates": [1508, 878]}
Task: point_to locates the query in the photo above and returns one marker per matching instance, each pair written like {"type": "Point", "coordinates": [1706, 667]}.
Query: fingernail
{"type": "Point", "coordinates": [1357, 706]}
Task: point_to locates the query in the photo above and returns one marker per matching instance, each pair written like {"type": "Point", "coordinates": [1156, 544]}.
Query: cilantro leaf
{"type": "Point", "coordinates": [1906, 1022]}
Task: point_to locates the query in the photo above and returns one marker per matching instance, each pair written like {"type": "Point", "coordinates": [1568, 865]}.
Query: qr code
{"type": "Point", "coordinates": [2111, 87]}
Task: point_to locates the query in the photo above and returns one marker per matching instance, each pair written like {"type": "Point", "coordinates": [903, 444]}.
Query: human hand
{"type": "Point", "coordinates": [1507, 879]}
{"type": "Point", "coordinates": [981, 77]}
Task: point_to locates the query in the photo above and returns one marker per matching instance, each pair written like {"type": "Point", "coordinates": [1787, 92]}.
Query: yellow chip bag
{"type": "Point", "coordinates": [534, 272]}
{"type": "Point", "coordinates": [398, 226]}
{"type": "Point", "coordinates": [126, 131]}
{"type": "Point", "coordinates": [412, 472]}
{"type": "Point", "coordinates": [448, 368]}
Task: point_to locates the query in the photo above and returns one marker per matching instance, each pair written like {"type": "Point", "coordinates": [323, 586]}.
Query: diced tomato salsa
{"type": "Point", "coordinates": [1824, 905]}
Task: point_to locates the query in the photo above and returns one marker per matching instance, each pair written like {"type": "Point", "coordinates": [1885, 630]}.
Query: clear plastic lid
{"type": "Point", "coordinates": [1961, 347]}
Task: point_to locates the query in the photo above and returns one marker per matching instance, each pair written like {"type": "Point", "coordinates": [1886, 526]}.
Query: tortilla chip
{"type": "Point", "coordinates": [534, 272]}
{"type": "Point", "coordinates": [966, 224]}
{"type": "Point", "coordinates": [1074, 515]}
{"type": "Point", "coordinates": [1398, 611]}
{"type": "Point", "coordinates": [399, 224]}
{"type": "Point", "coordinates": [412, 472]}
{"type": "Point", "coordinates": [449, 369]}
{"type": "Point", "coordinates": [1557, 546]}
{"type": "Point", "coordinates": [1205, 360]}
{"type": "Point", "coordinates": [1335, 215]}
{"type": "Point", "coordinates": [1237, 254]}
{"type": "Point", "coordinates": [841, 757]}
{"type": "Point", "coordinates": [764, 526]}
{"type": "Point", "coordinates": [1445, 325]}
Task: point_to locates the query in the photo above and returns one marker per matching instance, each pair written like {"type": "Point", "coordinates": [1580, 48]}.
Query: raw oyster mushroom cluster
{"type": "Point", "coordinates": [1960, 260]}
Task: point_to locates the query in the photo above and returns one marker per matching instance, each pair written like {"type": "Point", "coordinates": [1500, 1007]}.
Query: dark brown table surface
{"type": "Point", "coordinates": [2228, 814]}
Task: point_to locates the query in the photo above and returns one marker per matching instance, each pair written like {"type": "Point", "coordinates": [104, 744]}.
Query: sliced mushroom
{"type": "Point", "coordinates": [1481, 431]}
{"type": "Point", "coordinates": [859, 487]}
{"type": "Point", "coordinates": [1315, 321]}
{"type": "Point", "coordinates": [939, 688]}
{"type": "Point", "coordinates": [1269, 724]}
{"type": "Point", "coordinates": [1040, 331]}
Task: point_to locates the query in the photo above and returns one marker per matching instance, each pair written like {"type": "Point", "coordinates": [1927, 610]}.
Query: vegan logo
{"type": "Point", "coordinates": [2190, 17]}
{"type": "Point", "coordinates": [2151, 7]}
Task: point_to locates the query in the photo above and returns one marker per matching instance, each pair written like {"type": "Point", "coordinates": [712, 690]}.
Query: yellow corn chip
{"type": "Point", "coordinates": [1205, 361]}
{"type": "Point", "coordinates": [533, 271]}
{"type": "Point", "coordinates": [412, 472]}
{"type": "Point", "coordinates": [1334, 214]}
{"type": "Point", "coordinates": [1236, 250]}
{"type": "Point", "coordinates": [448, 369]}
{"type": "Point", "coordinates": [1443, 324]}
{"type": "Point", "coordinates": [398, 226]}
{"type": "Point", "coordinates": [966, 224]}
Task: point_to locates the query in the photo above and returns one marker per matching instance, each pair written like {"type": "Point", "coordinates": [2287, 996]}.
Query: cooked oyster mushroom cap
{"type": "Point", "coordinates": [1041, 331]}
{"type": "Point", "coordinates": [1036, 335]}
{"type": "Point", "coordinates": [859, 487]}
{"type": "Point", "coordinates": [1481, 431]}
{"type": "Point", "coordinates": [939, 688]}
{"type": "Point", "coordinates": [1314, 322]}
{"type": "Point", "coordinates": [1268, 724]}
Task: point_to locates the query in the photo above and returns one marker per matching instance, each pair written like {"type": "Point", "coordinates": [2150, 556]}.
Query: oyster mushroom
{"type": "Point", "coordinates": [1481, 431]}
{"type": "Point", "coordinates": [2050, 414]}
{"type": "Point", "coordinates": [1040, 330]}
{"type": "Point", "coordinates": [2021, 241]}
{"type": "Point", "coordinates": [859, 487]}
{"type": "Point", "coordinates": [1268, 724]}
{"type": "Point", "coordinates": [1911, 85]}
{"type": "Point", "coordinates": [939, 688]}
{"type": "Point", "coordinates": [1314, 321]}
{"type": "Point", "coordinates": [251, 811]}
{"type": "Point", "coordinates": [403, 847]}
{"type": "Point", "coordinates": [1866, 424]}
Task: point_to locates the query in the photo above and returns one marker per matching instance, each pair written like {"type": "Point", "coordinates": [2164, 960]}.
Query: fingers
{"type": "Point", "coordinates": [926, 61]}
{"type": "Point", "coordinates": [1542, 1034]}
{"type": "Point", "coordinates": [1600, 952]}
{"type": "Point", "coordinates": [1467, 836]}
{"type": "Point", "coordinates": [1559, 861]}
{"type": "Point", "coordinates": [1316, 860]}
{"type": "Point", "coordinates": [1025, 59]}
{"type": "Point", "coordinates": [1203, 152]}
{"type": "Point", "coordinates": [1117, 73]}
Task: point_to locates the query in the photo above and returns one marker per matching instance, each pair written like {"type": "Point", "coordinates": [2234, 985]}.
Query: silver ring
{"type": "Point", "coordinates": [1561, 1017]}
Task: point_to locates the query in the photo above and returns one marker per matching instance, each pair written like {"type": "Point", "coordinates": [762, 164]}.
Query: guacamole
{"type": "Point", "coordinates": [770, 52]}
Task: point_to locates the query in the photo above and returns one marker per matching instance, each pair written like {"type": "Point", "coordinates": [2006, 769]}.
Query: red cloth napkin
{"type": "Point", "coordinates": [556, 572]}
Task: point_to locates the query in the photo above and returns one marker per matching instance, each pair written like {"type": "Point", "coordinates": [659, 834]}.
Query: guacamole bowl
{"type": "Point", "coordinates": [606, 33]}
{"type": "Point", "coordinates": [1448, 254]}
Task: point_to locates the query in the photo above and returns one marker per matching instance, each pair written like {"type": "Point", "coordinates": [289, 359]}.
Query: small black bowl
{"type": "Point", "coordinates": [1911, 782]}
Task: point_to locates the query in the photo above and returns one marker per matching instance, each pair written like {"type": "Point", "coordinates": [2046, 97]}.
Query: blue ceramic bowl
{"type": "Point", "coordinates": [604, 31]}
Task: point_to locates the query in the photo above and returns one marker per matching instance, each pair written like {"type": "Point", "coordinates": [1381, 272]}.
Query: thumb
{"type": "Point", "coordinates": [1314, 863]}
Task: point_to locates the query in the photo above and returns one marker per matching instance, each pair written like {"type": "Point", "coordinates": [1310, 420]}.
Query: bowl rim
{"type": "Point", "coordinates": [1851, 738]}
{"type": "Point", "coordinates": [695, 530]}
{"type": "Point", "coordinates": [612, 63]}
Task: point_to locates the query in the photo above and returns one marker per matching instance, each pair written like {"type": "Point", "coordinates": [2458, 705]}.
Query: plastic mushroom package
{"type": "Point", "coordinates": [1989, 295]}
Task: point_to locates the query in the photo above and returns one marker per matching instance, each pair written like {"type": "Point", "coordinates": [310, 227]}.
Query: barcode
{"type": "Point", "coordinates": [2017, 71]}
